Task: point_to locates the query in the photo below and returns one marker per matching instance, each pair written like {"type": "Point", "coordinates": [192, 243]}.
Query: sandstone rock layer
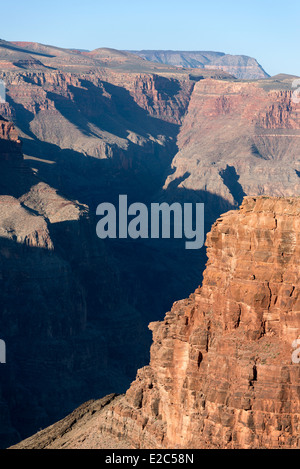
{"type": "Point", "coordinates": [239, 139]}
{"type": "Point", "coordinates": [221, 373]}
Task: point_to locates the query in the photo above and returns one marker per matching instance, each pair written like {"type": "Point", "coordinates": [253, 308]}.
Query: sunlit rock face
{"type": "Point", "coordinates": [239, 139]}
{"type": "Point", "coordinates": [221, 373]}
{"type": "Point", "coordinates": [74, 310]}
{"type": "Point", "coordinates": [224, 372]}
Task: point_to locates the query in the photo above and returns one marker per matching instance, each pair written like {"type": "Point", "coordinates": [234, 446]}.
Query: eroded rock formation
{"type": "Point", "coordinates": [52, 292]}
{"type": "Point", "coordinates": [93, 126]}
{"type": "Point", "coordinates": [221, 373]}
{"type": "Point", "coordinates": [238, 139]}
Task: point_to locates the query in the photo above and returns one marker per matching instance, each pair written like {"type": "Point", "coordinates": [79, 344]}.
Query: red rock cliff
{"type": "Point", "coordinates": [247, 132]}
{"type": "Point", "coordinates": [221, 372]}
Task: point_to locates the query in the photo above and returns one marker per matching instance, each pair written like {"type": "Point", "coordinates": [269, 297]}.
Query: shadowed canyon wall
{"type": "Point", "coordinates": [74, 309]}
{"type": "Point", "coordinates": [221, 373]}
{"type": "Point", "coordinates": [61, 303]}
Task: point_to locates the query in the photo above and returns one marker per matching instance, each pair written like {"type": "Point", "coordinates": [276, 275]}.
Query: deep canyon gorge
{"type": "Point", "coordinates": [79, 128]}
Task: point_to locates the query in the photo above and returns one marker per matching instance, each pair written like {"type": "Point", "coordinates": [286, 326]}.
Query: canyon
{"type": "Point", "coordinates": [79, 128]}
{"type": "Point", "coordinates": [221, 373]}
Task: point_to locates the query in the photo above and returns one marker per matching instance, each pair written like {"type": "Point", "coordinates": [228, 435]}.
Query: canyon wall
{"type": "Point", "coordinates": [78, 301]}
{"type": "Point", "coordinates": [102, 129]}
{"type": "Point", "coordinates": [61, 302]}
{"type": "Point", "coordinates": [221, 373]}
{"type": "Point", "coordinates": [237, 139]}
{"type": "Point", "coordinates": [74, 310]}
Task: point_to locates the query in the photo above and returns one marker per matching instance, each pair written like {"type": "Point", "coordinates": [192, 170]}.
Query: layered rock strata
{"type": "Point", "coordinates": [238, 139]}
{"type": "Point", "coordinates": [221, 373]}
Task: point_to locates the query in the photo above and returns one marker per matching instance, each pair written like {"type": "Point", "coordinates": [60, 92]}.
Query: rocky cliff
{"type": "Point", "coordinates": [58, 309]}
{"type": "Point", "coordinates": [221, 373]}
{"type": "Point", "coordinates": [69, 302]}
{"type": "Point", "coordinates": [93, 126]}
{"type": "Point", "coordinates": [90, 125]}
{"type": "Point", "coordinates": [238, 139]}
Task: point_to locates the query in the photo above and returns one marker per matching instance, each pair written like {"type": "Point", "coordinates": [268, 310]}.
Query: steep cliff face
{"type": "Point", "coordinates": [221, 371]}
{"type": "Point", "coordinates": [94, 126]}
{"type": "Point", "coordinates": [59, 310]}
{"type": "Point", "coordinates": [31, 320]}
{"type": "Point", "coordinates": [86, 138]}
{"type": "Point", "coordinates": [238, 139]}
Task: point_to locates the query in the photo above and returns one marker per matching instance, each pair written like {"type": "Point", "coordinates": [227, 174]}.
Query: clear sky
{"type": "Point", "coordinates": [268, 30]}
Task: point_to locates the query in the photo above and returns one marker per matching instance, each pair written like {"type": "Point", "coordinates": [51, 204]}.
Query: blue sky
{"type": "Point", "coordinates": [268, 30]}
